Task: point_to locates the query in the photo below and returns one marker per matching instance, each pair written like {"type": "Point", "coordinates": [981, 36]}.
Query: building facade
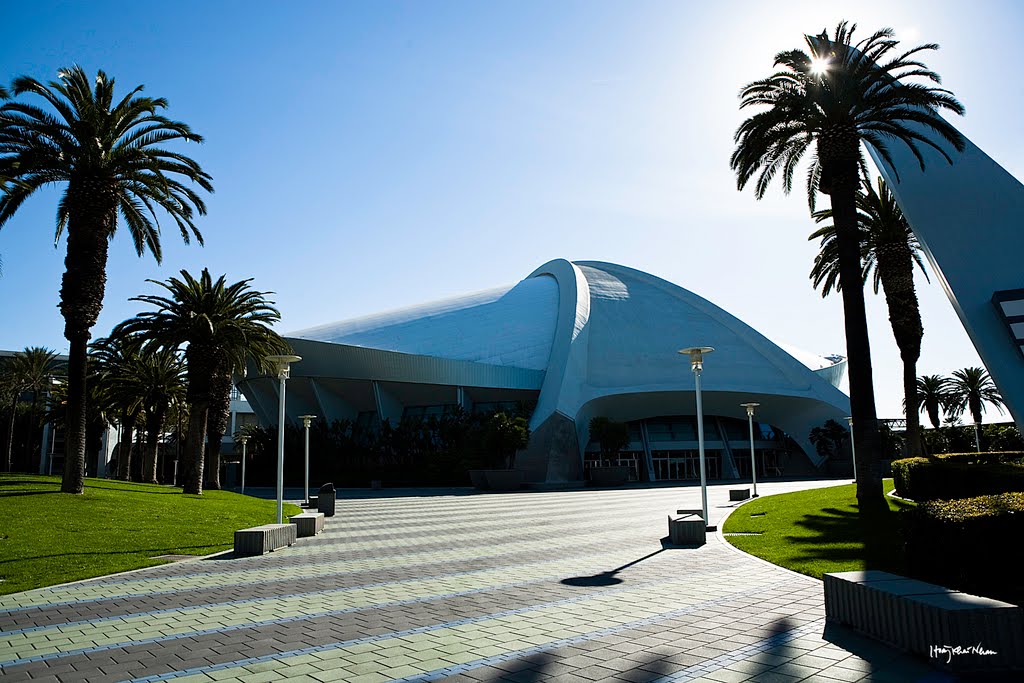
{"type": "Point", "coordinates": [577, 341]}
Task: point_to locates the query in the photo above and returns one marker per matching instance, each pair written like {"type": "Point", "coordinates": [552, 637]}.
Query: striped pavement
{"type": "Point", "coordinates": [530, 586]}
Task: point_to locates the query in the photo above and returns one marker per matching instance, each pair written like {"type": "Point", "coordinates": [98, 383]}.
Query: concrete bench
{"type": "Point", "coordinates": [687, 529]}
{"type": "Point", "coordinates": [312, 502]}
{"type": "Point", "coordinates": [263, 539]}
{"type": "Point", "coordinates": [928, 620]}
{"type": "Point", "coordinates": [308, 523]}
{"type": "Point", "coordinates": [739, 494]}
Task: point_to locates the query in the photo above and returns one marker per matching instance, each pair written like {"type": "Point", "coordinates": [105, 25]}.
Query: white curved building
{"type": "Point", "coordinates": [581, 340]}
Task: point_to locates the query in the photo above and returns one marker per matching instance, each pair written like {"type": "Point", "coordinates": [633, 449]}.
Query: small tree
{"type": "Point", "coordinates": [613, 436]}
{"type": "Point", "coordinates": [505, 435]}
{"type": "Point", "coordinates": [828, 439]}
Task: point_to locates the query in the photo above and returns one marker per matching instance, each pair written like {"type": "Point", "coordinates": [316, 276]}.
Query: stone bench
{"type": "Point", "coordinates": [739, 494]}
{"type": "Point", "coordinates": [928, 620]}
{"type": "Point", "coordinates": [687, 529]}
{"type": "Point", "coordinates": [308, 523]}
{"type": "Point", "coordinates": [312, 503]}
{"type": "Point", "coordinates": [263, 539]}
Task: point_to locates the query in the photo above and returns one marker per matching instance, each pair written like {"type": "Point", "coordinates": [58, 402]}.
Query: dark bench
{"type": "Point", "coordinates": [928, 620]}
{"type": "Point", "coordinates": [689, 528]}
{"type": "Point", "coordinates": [739, 494]}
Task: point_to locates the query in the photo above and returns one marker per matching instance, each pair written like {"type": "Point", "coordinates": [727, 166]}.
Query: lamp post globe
{"type": "Point", "coordinates": [282, 364]}
{"type": "Point", "coordinates": [696, 354]}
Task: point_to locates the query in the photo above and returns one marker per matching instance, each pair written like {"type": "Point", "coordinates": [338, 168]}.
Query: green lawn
{"type": "Point", "coordinates": [48, 537]}
{"type": "Point", "coordinates": [818, 531]}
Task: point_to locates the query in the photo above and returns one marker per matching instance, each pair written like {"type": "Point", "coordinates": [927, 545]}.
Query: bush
{"type": "Point", "coordinates": [970, 544]}
{"type": "Point", "coordinates": [955, 476]}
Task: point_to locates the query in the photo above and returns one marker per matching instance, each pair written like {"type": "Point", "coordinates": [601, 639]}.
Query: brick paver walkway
{"type": "Point", "coordinates": [567, 586]}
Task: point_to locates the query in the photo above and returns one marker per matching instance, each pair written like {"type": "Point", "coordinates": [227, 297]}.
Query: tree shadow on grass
{"type": "Point", "coordinates": [850, 536]}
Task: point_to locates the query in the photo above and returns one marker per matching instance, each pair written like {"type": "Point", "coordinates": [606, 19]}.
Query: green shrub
{"type": "Point", "coordinates": [955, 476]}
{"type": "Point", "coordinates": [969, 544]}
{"type": "Point", "coordinates": [986, 457]}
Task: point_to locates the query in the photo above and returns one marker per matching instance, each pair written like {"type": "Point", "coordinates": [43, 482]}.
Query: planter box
{"type": "Point", "coordinates": [687, 530]}
{"type": "Point", "coordinates": [504, 480]}
{"type": "Point", "coordinates": [616, 475]}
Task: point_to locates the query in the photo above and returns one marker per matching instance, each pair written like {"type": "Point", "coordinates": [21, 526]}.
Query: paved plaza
{"type": "Point", "coordinates": [453, 586]}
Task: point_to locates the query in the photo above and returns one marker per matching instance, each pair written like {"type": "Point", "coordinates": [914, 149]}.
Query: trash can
{"type": "Point", "coordinates": [325, 501]}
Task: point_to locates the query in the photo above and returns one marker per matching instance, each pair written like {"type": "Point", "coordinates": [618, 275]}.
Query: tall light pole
{"type": "Point", "coordinates": [696, 354]}
{"type": "Point", "coordinates": [306, 419]}
{"type": "Point", "coordinates": [282, 363]}
{"type": "Point", "coordinates": [244, 438]}
{"type": "Point", "coordinates": [750, 423]}
{"type": "Point", "coordinates": [853, 449]}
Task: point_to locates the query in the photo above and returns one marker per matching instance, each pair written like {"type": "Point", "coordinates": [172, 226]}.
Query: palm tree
{"type": "Point", "coordinates": [30, 370]}
{"type": "Point", "coordinates": [889, 251]}
{"type": "Point", "coordinates": [933, 395]}
{"type": "Point", "coordinates": [833, 99]}
{"type": "Point", "coordinates": [158, 378]}
{"type": "Point", "coordinates": [114, 358]}
{"type": "Point", "coordinates": [224, 327]}
{"type": "Point", "coordinates": [107, 152]}
{"type": "Point", "coordinates": [217, 423]}
{"type": "Point", "coordinates": [970, 389]}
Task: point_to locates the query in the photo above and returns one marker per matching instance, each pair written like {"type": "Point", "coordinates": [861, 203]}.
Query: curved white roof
{"type": "Point", "coordinates": [509, 326]}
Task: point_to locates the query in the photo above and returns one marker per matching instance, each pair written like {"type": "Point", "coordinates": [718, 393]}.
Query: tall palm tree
{"type": "Point", "coordinates": [933, 396]}
{"type": "Point", "coordinates": [224, 326]}
{"type": "Point", "coordinates": [970, 389]}
{"type": "Point", "coordinates": [832, 100]}
{"type": "Point", "coordinates": [221, 385]}
{"type": "Point", "coordinates": [888, 251]}
{"type": "Point", "coordinates": [108, 153]}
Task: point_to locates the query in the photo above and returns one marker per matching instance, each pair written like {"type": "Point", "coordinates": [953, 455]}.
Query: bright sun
{"type": "Point", "coordinates": [819, 66]}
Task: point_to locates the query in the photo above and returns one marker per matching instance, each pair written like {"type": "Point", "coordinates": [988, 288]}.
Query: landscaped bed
{"type": "Point", "coordinates": [48, 537]}
{"type": "Point", "coordinates": [818, 531]}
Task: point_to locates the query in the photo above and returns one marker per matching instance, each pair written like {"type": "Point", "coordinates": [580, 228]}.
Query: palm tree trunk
{"type": "Point", "coordinates": [858, 348]}
{"type": "Point", "coordinates": [93, 216]}
{"type": "Point", "coordinates": [73, 480]}
{"type": "Point", "coordinates": [216, 424]}
{"type": "Point", "coordinates": [124, 451]}
{"type": "Point", "coordinates": [154, 425]}
{"type": "Point", "coordinates": [914, 445]}
{"type": "Point", "coordinates": [192, 478]}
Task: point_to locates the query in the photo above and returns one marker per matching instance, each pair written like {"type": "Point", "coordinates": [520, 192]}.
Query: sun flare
{"type": "Point", "coordinates": [819, 66]}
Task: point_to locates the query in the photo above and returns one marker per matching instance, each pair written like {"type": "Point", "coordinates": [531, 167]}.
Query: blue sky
{"type": "Point", "coordinates": [370, 155]}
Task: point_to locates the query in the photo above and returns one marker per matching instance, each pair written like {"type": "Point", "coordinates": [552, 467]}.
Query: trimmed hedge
{"type": "Point", "coordinates": [924, 479]}
{"type": "Point", "coordinates": [987, 457]}
{"type": "Point", "coordinates": [970, 544]}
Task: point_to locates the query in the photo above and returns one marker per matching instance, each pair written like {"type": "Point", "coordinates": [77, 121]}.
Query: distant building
{"type": "Point", "coordinates": [578, 340]}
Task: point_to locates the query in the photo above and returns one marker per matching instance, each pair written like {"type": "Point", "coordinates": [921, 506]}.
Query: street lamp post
{"type": "Point", "coordinates": [696, 354]}
{"type": "Point", "coordinates": [306, 419]}
{"type": "Point", "coordinates": [282, 364]}
{"type": "Point", "coordinates": [853, 449]}
{"type": "Point", "coordinates": [750, 423]}
{"type": "Point", "coordinates": [244, 438]}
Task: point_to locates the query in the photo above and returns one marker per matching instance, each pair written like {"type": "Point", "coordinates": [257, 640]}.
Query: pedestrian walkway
{"type": "Point", "coordinates": [531, 586]}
